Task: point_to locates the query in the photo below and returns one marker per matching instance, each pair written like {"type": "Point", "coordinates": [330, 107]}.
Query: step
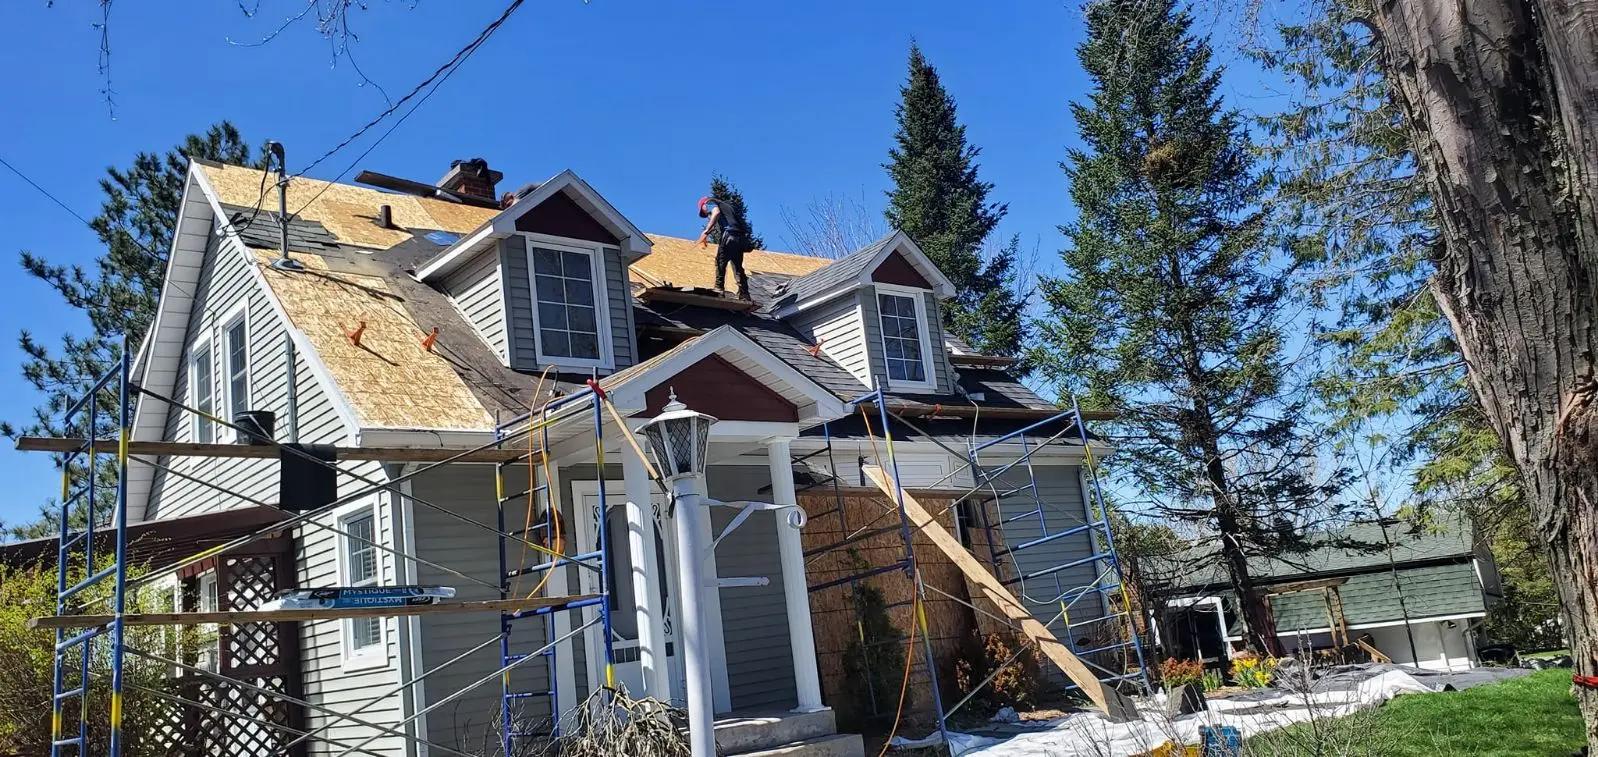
{"type": "Point", "coordinates": [744, 732]}
{"type": "Point", "coordinates": [836, 745]}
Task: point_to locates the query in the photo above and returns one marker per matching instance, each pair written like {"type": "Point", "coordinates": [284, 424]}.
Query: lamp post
{"type": "Point", "coordinates": [678, 439]}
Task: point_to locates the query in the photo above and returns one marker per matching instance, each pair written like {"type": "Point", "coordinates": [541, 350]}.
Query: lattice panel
{"type": "Point", "coordinates": [250, 581]}
{"type": "Point", "coordinates": [243, 726]}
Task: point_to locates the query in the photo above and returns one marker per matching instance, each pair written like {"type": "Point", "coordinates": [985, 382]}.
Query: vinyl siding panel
{"type": "Point", "coordinates": [225, 282]}
{"type": "Point", "coordinates": [522, 340]}
{"type": "Point", "coordinates": [871, 326]}
{"type": "Point", "coordinates": [477, 291]}
{"type": "Point", "coordinates": [837, 326]}
{"type": "Point", "coordinates": [755, 628]}
{"type": "Point", "coordinates": [942, 372]}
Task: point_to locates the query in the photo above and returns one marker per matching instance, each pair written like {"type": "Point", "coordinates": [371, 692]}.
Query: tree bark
{"type": "Point", "coordinates": [1502, 100]}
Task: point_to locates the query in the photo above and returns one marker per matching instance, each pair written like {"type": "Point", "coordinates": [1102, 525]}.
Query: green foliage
{"type": "Point", "coordinates": [26, 666]}
{"type": "Point", "coordinates": [1212, 680]}
{"type": "Point", "coordinates": [874, 659]}
{"type": "Point", "coordinates": [1173, 307]}
{"type": "Point", "coordinates": [1253, 671]}
{"type": "Point", "coordinates": [118, 292]}
{"type": "Point", "coordinates": [1175, 672]}
{"type": "Point", "coordinates": [729, 196]}
{"type": "Point", "coordinates": [940, 202]}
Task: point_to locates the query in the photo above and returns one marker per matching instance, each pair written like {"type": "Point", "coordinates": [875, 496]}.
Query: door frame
{"type": "Point", "coordinates": [587, 541]}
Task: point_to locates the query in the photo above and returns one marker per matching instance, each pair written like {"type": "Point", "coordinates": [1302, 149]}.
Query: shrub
{"type": "Point", "coordinates": [874, 659]}
{"type": "Point", "coordinates": [1019, 684]}
{"type": "Point", "coordinates": [1252, 671]}
{"type": "Point", "coordinates": [1212, 680]}
{"type": "Point", "coordinates": [1176, 672]}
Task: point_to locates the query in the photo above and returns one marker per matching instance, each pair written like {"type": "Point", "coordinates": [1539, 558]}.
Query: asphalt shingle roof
{"type": "Point", "coordinates": [838, 272]}
{"type": "Point", "coordinates": [1427, 591]}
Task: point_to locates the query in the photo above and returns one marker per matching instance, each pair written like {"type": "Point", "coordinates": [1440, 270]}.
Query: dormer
{"type": "Point", "coordinates": [544, 282]}
{"type": "Point", "coordinates": [877, 313]}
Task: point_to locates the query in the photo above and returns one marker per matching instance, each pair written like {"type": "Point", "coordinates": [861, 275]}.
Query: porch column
{"type": "Point", "coordinates": [795, 587]}
{"type": "Point", "coordinates": [645, 578]}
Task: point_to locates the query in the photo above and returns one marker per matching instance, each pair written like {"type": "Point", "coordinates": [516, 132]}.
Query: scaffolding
{"type": "Point", "coordinates": [102, 507]}
{"type": "Point", "coordinates": [986, 463]}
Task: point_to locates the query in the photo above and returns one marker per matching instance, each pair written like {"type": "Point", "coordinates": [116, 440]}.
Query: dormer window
{"type": "Point", "coordinates": [569, 312]}
{"type": "Point", "coordinates": [905, 347]}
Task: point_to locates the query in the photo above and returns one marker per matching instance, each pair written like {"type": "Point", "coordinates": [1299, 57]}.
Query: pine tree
{"type": "Point", "coordinates": [728, 195]}
{"type": "Point", "coordinates": [118, 296]}
{"type": "Point", "coordinates": [1171, 312]}
{"type": "Point", "coordinates": [940, 202]}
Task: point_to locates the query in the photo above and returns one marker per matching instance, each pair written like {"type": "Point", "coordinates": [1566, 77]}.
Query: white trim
{"type": "Point", "coordinates": [200, 347]}
{"type": "Point", "coordinates": [1382, 624]}
{"type": "Point", "coordinates": [601, 289]}
{"type": "Point", "coordinates": [565, 671]}
{"type": "Point", "coordinates": [374, 656]}
{"type": "Point", "coordinates": [901, 242]}
{"type": "Point", "coordinates": [403, 517]}
{"type": "Point", "coordinates": [634, 243]}
{"type": "Point", "coordinates": [239, 313]}
{"type": "Point", "coordinates": [930, 382]}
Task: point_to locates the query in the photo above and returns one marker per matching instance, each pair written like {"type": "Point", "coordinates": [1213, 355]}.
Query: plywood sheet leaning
{"type": "Point", "coordinates": [1116, 706]}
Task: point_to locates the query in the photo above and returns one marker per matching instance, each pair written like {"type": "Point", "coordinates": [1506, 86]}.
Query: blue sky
{"type": "Point", "coordinates": [638, 97]}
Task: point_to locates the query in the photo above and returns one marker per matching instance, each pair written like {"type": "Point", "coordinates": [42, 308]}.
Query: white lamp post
{"type": "Point", "coordinates": [678, 439]}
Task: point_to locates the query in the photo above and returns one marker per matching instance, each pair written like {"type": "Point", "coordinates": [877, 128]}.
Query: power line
{"type": "Point", "coordinates": [46, 193]}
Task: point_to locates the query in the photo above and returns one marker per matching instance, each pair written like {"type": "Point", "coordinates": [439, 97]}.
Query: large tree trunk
{"type": "Point", "coordinates": [1502, 96]}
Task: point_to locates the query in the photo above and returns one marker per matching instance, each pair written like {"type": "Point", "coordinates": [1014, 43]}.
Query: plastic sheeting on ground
{"type": "Point", "coordinates": [1089, 734]}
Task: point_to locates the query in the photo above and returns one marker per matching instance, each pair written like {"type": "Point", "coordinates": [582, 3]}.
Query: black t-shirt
{"type": "Point", "coordinates": [730, 222]}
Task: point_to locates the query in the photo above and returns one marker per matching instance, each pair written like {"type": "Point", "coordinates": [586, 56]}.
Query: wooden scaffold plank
{"type": "Point", "coordinates": [268, 451]}
{"type": "Point", "coordinates": [274, 616]}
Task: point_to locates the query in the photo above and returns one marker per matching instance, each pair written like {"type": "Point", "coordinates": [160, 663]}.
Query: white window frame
{"type": "Point", "coordinates": [201, 347]}
{"type": "Point", "coordinates": [374, 656]}
{"type": "Point", "coordinates": [208, 598]}
{"type": "Point", "coordinates": [240, 313]}
{"type": "Point", "coordinates": [596, 260]}
{"type": "Point", "coordinates": [916, 296]}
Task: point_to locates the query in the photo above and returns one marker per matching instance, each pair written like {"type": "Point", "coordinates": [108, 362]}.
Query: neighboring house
{"type": "Point", "coordinates": [1421, 601]}
{"type": "Point", "coordinates": [423, 318]}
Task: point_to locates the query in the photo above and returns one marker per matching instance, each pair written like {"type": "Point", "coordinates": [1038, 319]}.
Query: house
{"type": "Point", "coordinates": [1417, 595]}
{"type": "Point", "coordinates": [420, 317]}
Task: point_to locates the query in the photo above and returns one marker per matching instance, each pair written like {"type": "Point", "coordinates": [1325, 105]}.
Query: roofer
{"type": "Point", "coordinates": [732, 242]}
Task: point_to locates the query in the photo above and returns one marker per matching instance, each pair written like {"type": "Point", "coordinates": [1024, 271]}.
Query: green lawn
{"type": "Point", "coordinates": [1534, 715]}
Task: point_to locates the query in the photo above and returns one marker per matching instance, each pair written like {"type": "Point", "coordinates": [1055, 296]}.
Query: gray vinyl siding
{"type": "Point", "coordinates": [1059, 490]}
{"type": "Point", "coordinates": [522, 340]}
{"type": "Point", "coordinates": [838, 327]}
{"type": "Point", "coordinates": [942, 373]}
{"type": "Point", "coordinates": [759, 658]}
{"type": "Point", "coordinates": [467, 722]}
{"type": "Point", "coordinates": [871, 323]}
{"type": "Point", "coordinates": [225, 281]}
{"type": "Point", "coordinates": [477, 291]}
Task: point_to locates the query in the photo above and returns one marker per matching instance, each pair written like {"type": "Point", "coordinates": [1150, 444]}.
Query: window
{"type": "Point", "coordinates": [235, 337]}
{"type": "Point", "coordinates": [569, 297]}
{"type": "Point", "coordinates": [208, 637]}
{"type": "Point", "coordinates": [202, 391]}
{"type": "Point", "coordinates": [361, 635]}
{"type": "Point", "coordinates": [903, 337]}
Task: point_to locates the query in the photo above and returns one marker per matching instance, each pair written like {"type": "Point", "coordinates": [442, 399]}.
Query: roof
{"type": "Point", "coordinates": [1357, 548]}
{"type": "Point", "coordinates": [1428, 591]}
{"type": "Point", "coordinates": [842, 274]}
{"type": "Point", "coordinates": [680, 262]}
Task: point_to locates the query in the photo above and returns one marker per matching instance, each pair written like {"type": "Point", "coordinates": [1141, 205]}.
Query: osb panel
{"type": "Point", "coordinates": [832, 610]}
{"type": "Point", "coordinates": [390, 379]}
{"type": "Point", "coordinates": [683, 263]}
{"type": "Point", "coordinates": [347, 211]}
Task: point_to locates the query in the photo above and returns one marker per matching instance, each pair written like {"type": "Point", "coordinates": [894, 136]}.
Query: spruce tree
{"type": "Point", "coordinates": [118, 294]}
{"type": "Point", "coordinates": [1171, 309]}
{"type": "Point", "coordinates": [940, 202]}
{"type": "Point", "coordinates": [728, 195]}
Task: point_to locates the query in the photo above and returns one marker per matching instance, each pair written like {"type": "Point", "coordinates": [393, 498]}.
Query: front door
{"type": "Point", "coordinates": [623, 608]}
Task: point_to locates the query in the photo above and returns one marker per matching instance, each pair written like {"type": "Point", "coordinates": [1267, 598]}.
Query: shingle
{"type": "Point", "coordinates": [838, 272]}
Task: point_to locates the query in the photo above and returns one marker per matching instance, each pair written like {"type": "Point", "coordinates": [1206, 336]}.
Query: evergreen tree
{"type": "Point", "coordinates": [1171, 312]}
{"type": "Point", "coordinates": [729, 196]}
{"type": "Point", "coordinates": [940, 202]}
{"type": "Point", "coordinates": [118, 296]}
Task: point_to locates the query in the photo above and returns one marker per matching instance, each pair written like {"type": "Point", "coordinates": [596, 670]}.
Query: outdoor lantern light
{"type": "Point", "coordinates": [678, 439]}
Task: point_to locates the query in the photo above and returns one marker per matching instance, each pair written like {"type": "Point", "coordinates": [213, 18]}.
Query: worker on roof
{"type": "Point", "coordinates": [732, 242]}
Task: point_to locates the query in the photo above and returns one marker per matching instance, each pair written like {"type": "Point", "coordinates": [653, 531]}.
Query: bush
{"type": "Point", "coordinates": [1252, 671]}
{"type": "Point", "coordinates": [874, 659]}
{"type": "Point", "coordinates": [1019, 684]}
{"type": "Point", "coordinates": [1175, 672]}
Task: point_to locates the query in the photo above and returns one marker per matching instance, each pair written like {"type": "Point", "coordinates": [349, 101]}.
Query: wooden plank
{"type": "Point", "coordinates": [1107, 699]}
{"type": "Point", "coordinates": [275, 616]}
{"type": "Point", "coordinates": [265, 451]}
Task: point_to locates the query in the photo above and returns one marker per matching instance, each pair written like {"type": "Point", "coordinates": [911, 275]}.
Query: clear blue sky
{"type": "Point", "coordinates": [635, 96]}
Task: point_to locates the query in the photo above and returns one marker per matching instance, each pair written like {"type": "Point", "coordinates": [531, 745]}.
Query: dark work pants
{"type": "Point", "coordinates": [731, 250]}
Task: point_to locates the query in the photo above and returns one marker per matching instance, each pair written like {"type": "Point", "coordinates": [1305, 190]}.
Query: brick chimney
{"type": "Point", "coordinates": [471, 178]}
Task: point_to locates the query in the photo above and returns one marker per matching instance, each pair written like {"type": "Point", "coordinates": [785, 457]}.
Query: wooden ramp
{"type": "Point", "coordinates": [1116, 706]}
{"type": "Point", "coordinates": [238, 617]}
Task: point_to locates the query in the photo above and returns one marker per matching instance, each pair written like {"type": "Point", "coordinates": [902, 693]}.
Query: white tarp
{"type": "Point", "coordinates": [1089, 734]}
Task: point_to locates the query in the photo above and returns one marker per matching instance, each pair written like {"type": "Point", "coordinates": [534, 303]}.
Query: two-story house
{"type": "Point", "coordinates": [423, 316]}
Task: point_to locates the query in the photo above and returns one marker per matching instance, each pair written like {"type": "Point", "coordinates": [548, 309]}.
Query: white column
{"type": "Point", "coordinates": [710, 602]}
{"type": "Point", "coordinates": [795, 587]}
{"type": "Point", "coordinates": [688, 519]}
{"type": "Point", "coordinates": [644, 558]}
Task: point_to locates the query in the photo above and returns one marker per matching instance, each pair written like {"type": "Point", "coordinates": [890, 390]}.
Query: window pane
{"type": "Point", "coordinates": [200, 368]}
{"type": "Point", "coordinates": [579, 292]}
{"type": "Point", "coordinates": [546, 261]}
{"type": "Point", "coordinates": [581, 319]}
{"type": "Point", "coordinates": [361, 554]}
{"type": "Point", "coordinates": [366, 632]}
{"type": "Point", "coordinates": [551, 316]}
{"type": "Point", "coordinates": [550, 289]}
{"type": "Point", "coordinates": [576, 266]}
{"type": "Point", "coordinates": [555, 343]}
{"type": "Point", "coordinates": [584, 346]}
{"type": "Point", "coordinates": [238, 369]}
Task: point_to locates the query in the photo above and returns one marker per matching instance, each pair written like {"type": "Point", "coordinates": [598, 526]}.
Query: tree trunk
{"type": "Point", "coordinates": [1502, 100]}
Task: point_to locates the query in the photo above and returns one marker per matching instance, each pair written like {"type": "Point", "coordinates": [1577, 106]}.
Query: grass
{"type": "Point", "coordinates": [1533, 715]}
